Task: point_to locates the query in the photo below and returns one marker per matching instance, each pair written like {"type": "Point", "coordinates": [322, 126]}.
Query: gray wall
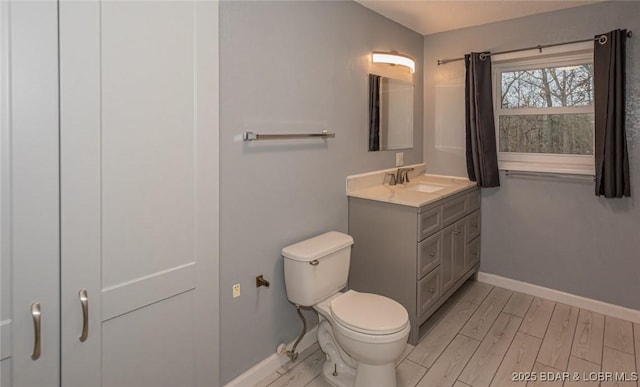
{"type": "Point", "coordinates": [291, 67]}
{"type": "Point", "coordinates": [549, 232]}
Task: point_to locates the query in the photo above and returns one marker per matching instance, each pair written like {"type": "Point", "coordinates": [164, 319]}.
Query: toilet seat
{"type": "Point", "coordinates": [370, 314]}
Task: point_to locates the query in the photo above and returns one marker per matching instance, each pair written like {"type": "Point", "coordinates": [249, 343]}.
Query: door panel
{"type": "Point", "coordinates": [80, 187]}
{"type": "Point", "coordinates": [5, 203]}
{"type": "Point", "coordinates": [5, 338]}
{"type": "Point", "coordinates": [147, 193]}
{"type": "Point", "coordinates": [148, 99]}
{"type": "Point", "coordinates": [136, 356]}
{"type": "Point", "coordinates": [5, 373]}
{"type": "Point", "coordinates": [33, 191]}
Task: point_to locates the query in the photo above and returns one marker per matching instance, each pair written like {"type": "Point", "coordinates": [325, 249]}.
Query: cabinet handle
{"type": "Point", "coordinates": [84, 301]}
{"type": "Point", "coordinates": [36, 314]}
{"type": "Point", "coordinates": [432, 254]}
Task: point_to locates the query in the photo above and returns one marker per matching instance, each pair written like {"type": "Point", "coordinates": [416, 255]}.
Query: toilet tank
{"type": "Point", "coordinates": [317, 268]}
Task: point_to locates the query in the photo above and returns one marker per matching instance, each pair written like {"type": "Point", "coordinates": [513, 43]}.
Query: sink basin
{"type": "Point", "coordinates": [427, 187]}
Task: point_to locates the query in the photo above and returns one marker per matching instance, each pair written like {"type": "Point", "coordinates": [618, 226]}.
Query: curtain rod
{"type": "Point", "coordinates": [602, 39]}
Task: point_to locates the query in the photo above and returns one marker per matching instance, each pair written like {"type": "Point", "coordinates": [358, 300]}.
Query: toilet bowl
{"type": "Point", "coordinates": [370, 332]}
{"type": "Point", "coordinates": [362, 334]}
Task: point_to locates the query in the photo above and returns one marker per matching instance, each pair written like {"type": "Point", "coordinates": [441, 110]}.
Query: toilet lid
{"type": "Point", "coordinates": [369, 313]}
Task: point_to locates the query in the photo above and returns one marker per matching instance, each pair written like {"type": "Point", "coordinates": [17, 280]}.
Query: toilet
{"type": "Point", "coordinates": [362, 334]}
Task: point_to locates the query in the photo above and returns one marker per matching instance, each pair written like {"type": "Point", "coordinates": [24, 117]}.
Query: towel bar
{"type": "Point", "coordinates": [251, 136]}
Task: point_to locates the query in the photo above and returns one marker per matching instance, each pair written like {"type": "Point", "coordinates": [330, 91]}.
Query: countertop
{"type": "Point", "coordinates": [400, 194]}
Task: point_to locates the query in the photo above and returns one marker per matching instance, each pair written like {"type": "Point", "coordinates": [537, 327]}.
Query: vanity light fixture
{"type": "Point", "coordinates": [393, 58]}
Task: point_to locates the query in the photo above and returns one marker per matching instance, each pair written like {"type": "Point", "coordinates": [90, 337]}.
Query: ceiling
{"type": "Point", "coordinates": [431, 16]}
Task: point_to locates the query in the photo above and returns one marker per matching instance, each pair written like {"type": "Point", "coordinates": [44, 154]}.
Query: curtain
{"type": "Point", "coordinates": [611, 157]}
{"type": "Point", "coordinates": [374, 112]}
{"type": "Point", "coordinates": [482, 158]}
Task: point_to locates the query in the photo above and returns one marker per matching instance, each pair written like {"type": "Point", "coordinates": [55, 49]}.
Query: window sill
{"type": "Point", "coordinates": [569, 169]}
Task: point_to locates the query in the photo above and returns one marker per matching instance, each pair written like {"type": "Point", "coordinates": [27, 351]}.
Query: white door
{"type": "Point", "coordinates": [30, 252]}
{"type": "Point", "coordinates": [138, 201]}
{"type": "Point", "coordinates": [139, 195]}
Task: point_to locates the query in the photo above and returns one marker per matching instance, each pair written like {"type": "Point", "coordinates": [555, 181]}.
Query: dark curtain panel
{"type": "Point", "coordinates": [374, 112]}
{"type": "Point", "coordinates": [611, 157]}
{"type": "Point", "coordinates": [482, 158]}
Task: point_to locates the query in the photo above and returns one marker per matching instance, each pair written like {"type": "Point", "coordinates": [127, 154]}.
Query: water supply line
{"type": "Point", "coordinates": [293, 355]}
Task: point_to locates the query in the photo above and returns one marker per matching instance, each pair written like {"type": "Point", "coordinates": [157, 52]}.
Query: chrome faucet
{"type": "Point", "coordinates": [400, 177]}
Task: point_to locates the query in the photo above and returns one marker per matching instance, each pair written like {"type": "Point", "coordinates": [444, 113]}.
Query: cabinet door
{"type": "Point", "coordinates": [429, 255]}
{"type": "Point", "coordinates": [428, 291]}
{"type": "Point", "coordinates": [448, 254]}
{"type": "Point", "coordinates": [473, 228]}
{"type": "Point", "coordinates": [139, 193]}
{"type": "Point", "coordinates": [459, 244]}
{"type": "Point", "coordinates": [472, 254]}
{"type": "Point", "coordinates": [429, 222]}
{"type": "Point", "coordinates": [453, 253]}
{"type": "Point", "coordinates": [30, 193]}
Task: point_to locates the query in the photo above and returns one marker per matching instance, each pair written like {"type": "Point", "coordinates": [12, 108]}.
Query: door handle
{"type": "Point", "coordinates": [36, 315]}
{"type": "Point", "coordinates": [84, 301]}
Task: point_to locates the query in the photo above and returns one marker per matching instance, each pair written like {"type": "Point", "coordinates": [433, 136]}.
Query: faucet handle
{"type": "Point", "coordinates": [406, 174]}
{"type": "Point", "coordinates": [392, 179]}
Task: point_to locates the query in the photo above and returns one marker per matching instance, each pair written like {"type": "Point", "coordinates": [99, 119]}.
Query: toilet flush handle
{"type": "Point", "coordinates": [315, 262]}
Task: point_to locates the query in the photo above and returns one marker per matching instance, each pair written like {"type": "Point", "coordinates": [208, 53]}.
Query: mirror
{"type": "Point", "coordinates": [390, 113]}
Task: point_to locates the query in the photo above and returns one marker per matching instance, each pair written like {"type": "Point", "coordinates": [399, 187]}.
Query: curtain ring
{"type": "Point", "coordinates": [483, 56]}
{"type": "Point", "coordinates": [602, 39]}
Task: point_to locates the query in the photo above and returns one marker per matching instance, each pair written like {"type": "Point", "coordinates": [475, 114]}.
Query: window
{"type": "Point", "coordinates": [544, 110]}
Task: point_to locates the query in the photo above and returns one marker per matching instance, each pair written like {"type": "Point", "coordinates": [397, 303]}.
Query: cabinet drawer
{"type": "Point", "coordinates": [454, 209]}
{"type": "Point", "coordinates": [474, 225]}
{"type": "Point", "coordinates": [428, 291]}
{"type": "Point", "coordinates": [473, 253]}
{"type": "Point", "coordinates": [429, 253]}
{"type": "Point", "coordinates": [429, 222]}
{"type": "Point", "coordinates": [474, 200]}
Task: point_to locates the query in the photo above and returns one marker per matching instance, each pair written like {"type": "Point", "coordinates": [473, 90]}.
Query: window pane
{"type": "Point", "coordinates": [547, 133]}
{"type": "Point", "coordinates": [548, 87]}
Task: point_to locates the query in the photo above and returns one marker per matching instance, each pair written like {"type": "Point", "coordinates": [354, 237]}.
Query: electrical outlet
{"type": "Point", "coordinates": [236, 290]}
{"type": "Point", "coordinates": [399, 159]}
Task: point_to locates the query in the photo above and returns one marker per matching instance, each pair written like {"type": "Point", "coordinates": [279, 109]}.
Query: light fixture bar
{"type": "Point", "coordinates": [394, 59]}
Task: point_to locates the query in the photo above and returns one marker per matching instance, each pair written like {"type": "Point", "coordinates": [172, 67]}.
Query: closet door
{"type": "Point", "coordinates": [139, 172]}
{"type": "Point", "coordinates": [30, 195]}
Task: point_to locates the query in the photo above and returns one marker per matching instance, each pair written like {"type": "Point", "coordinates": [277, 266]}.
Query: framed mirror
{"type": "Point", "coordinates": [390, 113]}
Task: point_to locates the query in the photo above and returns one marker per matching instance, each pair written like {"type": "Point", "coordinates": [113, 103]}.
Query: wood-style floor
{"type": "Point", "coordinates": [489, 336]}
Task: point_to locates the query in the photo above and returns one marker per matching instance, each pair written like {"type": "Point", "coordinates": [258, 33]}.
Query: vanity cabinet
{"type": "Point", "coordinates": [418, 256]}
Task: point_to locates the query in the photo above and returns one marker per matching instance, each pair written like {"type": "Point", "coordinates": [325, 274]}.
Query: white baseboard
{"type": "Point", "coordinates": [271, 364]}
{"type": "Point", "coordinates": [558, 296]}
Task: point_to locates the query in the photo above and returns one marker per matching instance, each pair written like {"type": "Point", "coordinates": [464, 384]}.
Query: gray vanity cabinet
{"type": "Point", "coordinates": [416, 256]}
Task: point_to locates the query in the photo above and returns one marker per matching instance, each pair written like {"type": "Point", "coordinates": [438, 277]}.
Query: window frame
{"type": "Point", "coordinates": [566, 55]}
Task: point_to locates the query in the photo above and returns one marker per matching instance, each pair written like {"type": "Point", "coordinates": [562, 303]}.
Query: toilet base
{"type": "Point", "coordinates": [344, 378]}
{"type": "Point", "coordinates": [376, 375]}
{"type": "Point", "coordinates": [339, 368]}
